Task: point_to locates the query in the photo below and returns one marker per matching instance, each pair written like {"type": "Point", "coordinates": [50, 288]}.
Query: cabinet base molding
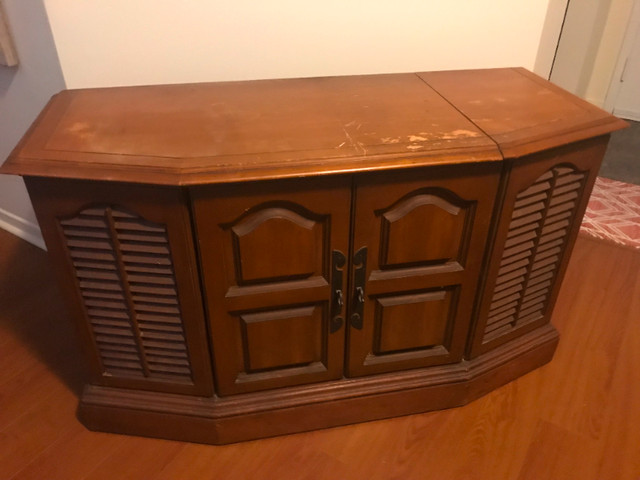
{"type": "Point", "coordinates": [297, 409]}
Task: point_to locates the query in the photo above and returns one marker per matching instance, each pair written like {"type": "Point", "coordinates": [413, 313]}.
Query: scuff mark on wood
{"type": "Point", "coordinates": [82, 130]}
{"type": "Point", "coordinates": [355, 144]}
{"type": "Point", "coordinates": [460, 133]}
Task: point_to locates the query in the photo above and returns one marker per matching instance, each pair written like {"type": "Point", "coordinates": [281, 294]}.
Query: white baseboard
{"type": "Point", "coordinates": [21, 228]}
{"type": "Point", "coordinates": [628, 114]}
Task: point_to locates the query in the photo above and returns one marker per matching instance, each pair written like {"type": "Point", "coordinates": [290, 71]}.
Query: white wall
{"type": "Point", "coordinates": [24, 90]}
{"type": "Point", "coordinates": [611, 52]}
{"type": "Point", "coordinates": [129, 42]}
{"type": "Point", "coordinates": [124, 42]}
{"type": "Point", "coordinates": [549, 37]}
{"type": "Point", "coordinates": [591, 40]}
{"type": "Point", "coordinates": [583, 27]}
{"type": "Point", "coordinates": [626, 87]}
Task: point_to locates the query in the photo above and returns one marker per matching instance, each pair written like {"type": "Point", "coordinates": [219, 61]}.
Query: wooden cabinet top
{"type": "Point", "coordinates": [234, 131]}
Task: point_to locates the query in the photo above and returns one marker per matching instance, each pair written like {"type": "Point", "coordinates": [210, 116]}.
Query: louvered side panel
{"type": "Point", "coordinates": [124, 270]}
{"type": "Point", "coordinates": [519, 250]}
{"type": "Point", "coordinates": [154, 297]}
{"type": "Point", "coordinates": [96, 267]}
{"type": "Point", "coordinates": [551, 244]}
{"type": "Point", "coordinates": [535, 242]}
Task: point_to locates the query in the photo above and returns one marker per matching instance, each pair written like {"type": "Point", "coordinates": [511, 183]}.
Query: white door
{"type": "Point", "coordinates": [627, 100]}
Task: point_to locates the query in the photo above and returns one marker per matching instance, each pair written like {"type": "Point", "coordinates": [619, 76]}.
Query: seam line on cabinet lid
{"type": "Point", "coordinates": [463, 114]}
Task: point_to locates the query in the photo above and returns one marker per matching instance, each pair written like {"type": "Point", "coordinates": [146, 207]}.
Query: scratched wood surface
{"type": "Point", "coordinates": [234, 131]}
{"type": "Point", "coordinates": [575, 418]}
{"type": "Point", "coordinates": [229, 131]}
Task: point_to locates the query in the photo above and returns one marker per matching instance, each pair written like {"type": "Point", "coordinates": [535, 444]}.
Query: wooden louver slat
{"type": "Point", "coordinates": [124, 270]}
{"type": "Point", "coordinates": [537, 235]}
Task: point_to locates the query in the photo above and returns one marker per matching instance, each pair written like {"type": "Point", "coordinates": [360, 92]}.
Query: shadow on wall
{"type": "Point", "coordinates": [26, 87]}
{"type": "Point", "coordinates": [24, 91]}
{"type": "Point", "coordinates": [7, 76]}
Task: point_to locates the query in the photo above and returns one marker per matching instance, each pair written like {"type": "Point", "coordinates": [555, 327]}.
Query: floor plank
{"type": "Point", "coordinates": [575, 418]}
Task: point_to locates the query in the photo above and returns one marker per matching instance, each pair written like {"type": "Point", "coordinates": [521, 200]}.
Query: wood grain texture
{"type": "Point", "coordinates": [230, 131]}
{"type": "Point", "coordinates": [573, 419]}
{"type": "Point", "coordinates": [520, 111]}
{"type": "Point", "coordinates": [302, 408]}
{"type": "Point", "coordinates": [422, 212]}
{"type": "Point", "coordinates": [233, 131]}
{"type": "Point", "coordinates": [414, 321]}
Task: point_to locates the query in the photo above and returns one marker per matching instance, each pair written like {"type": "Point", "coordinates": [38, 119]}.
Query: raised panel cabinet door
{"type": "Point", "coordinates": [274, 270]}
{"type": "Point", "coordinates": [127, 258]}
{"type": "Point", "coordinates": [418, 243]}
{"type": "Point", "coordinates": [545, 199]}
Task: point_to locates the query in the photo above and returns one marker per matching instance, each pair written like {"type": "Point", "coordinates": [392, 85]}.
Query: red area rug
{"type": "Point", "coordinates": [613, 212]}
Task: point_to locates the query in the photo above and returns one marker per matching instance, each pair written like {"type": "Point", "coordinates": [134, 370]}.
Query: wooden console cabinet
{"type": "Point", "coordinates": [248, 259]}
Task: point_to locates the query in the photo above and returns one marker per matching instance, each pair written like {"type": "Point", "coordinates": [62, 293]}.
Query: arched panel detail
{"type": "Point", "coordinates": [258, 218]}
{"type": "Point", "coordinates": [426, 227]}
{"type": "Point", "coordinates": [282, 242]}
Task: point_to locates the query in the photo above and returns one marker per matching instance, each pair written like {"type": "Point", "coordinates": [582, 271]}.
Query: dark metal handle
{"type": "Point", "coordinates": [359, 277]}
{"type": "Point", "coordinates": [337, 302]}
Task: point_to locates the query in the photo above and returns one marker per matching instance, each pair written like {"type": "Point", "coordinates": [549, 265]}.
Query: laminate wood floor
{"type": "Point", "coordinates": [576, 418]}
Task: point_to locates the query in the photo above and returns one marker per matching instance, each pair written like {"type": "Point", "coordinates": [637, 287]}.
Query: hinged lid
{"type": "Point", "coordinates": [520, 111]}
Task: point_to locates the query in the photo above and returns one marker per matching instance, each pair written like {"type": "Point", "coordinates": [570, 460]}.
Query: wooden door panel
{"type": "Point", "coordinates": [420, 212]}
{"type": "Point", "coordinates": [294, 242]}
{"type": "Point", "coordinates": [267, 253]}
{"type": "Point", "coordinates": [414, 321]}
{"type": "Point", "coordinates": [425, 234]}
{"type": "Point", "coordinates": [276, 339]}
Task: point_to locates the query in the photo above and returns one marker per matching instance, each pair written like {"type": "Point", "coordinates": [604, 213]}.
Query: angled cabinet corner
{"type": "Point", "coordinates": [130, 277]}
{"type": "Point", "coordinates": [545, 198]}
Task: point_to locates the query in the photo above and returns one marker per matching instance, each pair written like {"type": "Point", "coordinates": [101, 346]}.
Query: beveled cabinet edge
{"type": "Point", "coordinates": [297, 409]}
{"type": "Point", "coordinates": [182, 246]}
{"type": "Point", "coordinates": [283, 167]}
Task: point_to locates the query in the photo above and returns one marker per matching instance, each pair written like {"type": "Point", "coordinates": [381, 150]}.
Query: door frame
{"type": "Point", "coordinates": [632, 31]}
